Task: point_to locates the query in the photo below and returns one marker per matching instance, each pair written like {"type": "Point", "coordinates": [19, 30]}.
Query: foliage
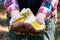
{"type": "Point", "coordinates": [2, 8]}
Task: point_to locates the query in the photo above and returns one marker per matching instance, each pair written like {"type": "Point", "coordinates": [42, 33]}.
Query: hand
{"type": "Point", "coordinates": [14, 15]}
{"type": "Point", "coordinates": [40, 18]}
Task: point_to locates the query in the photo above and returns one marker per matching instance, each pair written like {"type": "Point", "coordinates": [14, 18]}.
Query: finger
{"type": "Point", "coordinates": [12, 20]}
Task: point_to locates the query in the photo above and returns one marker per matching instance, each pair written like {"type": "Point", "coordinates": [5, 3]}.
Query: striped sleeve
{"type": "Point", "coordinates": [11, 5]}
{"type": "Point", "coordinates": [48, 7]}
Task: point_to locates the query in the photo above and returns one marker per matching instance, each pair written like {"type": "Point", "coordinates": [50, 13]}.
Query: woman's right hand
{"type": "Point", "coordinates": [15, 14]}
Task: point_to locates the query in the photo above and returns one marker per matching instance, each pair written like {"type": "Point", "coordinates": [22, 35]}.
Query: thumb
{"type": "Point", "coordinates": [12, 20]}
